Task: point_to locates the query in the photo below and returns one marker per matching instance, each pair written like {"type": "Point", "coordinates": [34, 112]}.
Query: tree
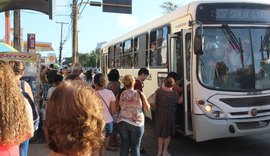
{"type": "Point", "coordinates": [95, 58]}
{"type": "Point", "coordinates": [168, 7]}
{"type": "Point", "coordinates": [68, 61]}
{"type": "Point", "coordinates": [84, 59]}
{"type": "Point", "coordinates": [88, 60]}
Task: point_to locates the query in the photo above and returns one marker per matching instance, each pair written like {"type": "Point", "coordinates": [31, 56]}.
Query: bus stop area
{"type": "Point", "coordinates": [38, 147]}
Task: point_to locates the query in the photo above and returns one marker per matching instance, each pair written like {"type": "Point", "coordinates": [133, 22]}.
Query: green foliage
{"type": "Point", "coordinates": [168, 7]}
{"type": "Point", "coordinates": [90, 59]}
{"type": "Point", "coordinates": [68, 61]}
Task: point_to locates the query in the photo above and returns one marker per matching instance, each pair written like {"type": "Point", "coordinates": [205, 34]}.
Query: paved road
{"type": "Point", "coordinates": [257, 145]}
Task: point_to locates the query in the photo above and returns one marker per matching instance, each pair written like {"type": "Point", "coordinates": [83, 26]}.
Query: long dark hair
{"type": "Point", "coordinates": [99, 80]}
{"type": "Point", "coordinates": [113, 75]}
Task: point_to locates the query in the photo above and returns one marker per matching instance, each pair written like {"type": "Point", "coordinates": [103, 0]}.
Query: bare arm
{"type": "Point", "coordinates": [29, 116]}
{"type": "Point", "coordinates": [181, 99]}
{"type": "Point", "coordinates": [113, 107]}
{"type": "Point", "coordinates": [28, 90]}
{"type": "Point", "coordinates": [146, 105]}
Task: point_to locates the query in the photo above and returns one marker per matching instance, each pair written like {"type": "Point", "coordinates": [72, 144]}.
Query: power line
{"type": "Point", "coordinates": [83, 8]}
{"type": "Point", "coordinates": [68, 33]}
{"type": "Point", "coordinates": [79, 5]}
{"type": "Point", "coordinates": [61, 41]}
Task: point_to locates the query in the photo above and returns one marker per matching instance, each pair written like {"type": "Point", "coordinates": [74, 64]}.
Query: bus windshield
{"type": "Point", "coordinates": [224, 67]}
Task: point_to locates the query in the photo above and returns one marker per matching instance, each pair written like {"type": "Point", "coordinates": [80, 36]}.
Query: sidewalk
{"type": "Point", "coordinates": [39, 148]}
{"type": "Point", "coordinates": [42, 150]}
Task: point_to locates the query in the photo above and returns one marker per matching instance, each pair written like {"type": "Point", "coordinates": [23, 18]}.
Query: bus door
{"type": "Point", "coordinates": [179, 52]}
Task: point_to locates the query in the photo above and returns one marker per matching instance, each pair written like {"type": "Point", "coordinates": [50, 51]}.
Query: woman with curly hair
{"type": "Point", "coordinates": [74, 120]}
{"type": "Point", "coordinates": [18, 69]}
{"type": "Point", "coordinates": [16, 120]}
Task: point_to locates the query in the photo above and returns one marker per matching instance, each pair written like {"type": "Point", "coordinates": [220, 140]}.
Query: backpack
{"type": "Point", "coordinates": [33, 106]}
{"type": "Point", "coordinates": [114, 86]}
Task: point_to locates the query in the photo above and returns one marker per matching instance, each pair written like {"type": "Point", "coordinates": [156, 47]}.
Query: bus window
{"type": "Point", "coordinates": [127, 57]}
{"type": "Point", "coordinates": [224, 67]}
{"type": "Point", "coordinates": [136, 45]}
{"type": "Point", "coordinates": [128, 46]}
{"type": "Point", "coordinates": [153, 39]}
{"type": "Point", "coordinates": [111, 57]}
{"type": "Point", "coordinates": [158, 47]}
{"type": "Point", "coordinates": [153, 49]}
{"type": "Point", "coordinates": [118, 52]}
{"type": "Point", "coordinates": [159, 37]}
{"type": "Point", "coordinates": [136, 48]}
{"type": "Point", "coordinates": [188, 55]}
{"type": "Point", "coordinates": [179, 58]}
{"type": "Point", "coordinates": [141, 54]}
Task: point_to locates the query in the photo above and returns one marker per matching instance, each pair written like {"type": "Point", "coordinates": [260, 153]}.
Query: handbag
{"type": "Point", "coordinates": [152, 100]}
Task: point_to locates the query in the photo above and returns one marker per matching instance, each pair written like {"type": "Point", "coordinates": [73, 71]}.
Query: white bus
{"type": "Point", "coordinates": [221, 52]}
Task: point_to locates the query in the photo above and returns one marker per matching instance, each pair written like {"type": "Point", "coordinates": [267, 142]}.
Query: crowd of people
{"type": "Point", "coordinates": [85, 114]}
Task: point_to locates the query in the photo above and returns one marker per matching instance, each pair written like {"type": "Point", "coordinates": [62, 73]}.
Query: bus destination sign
{"type": "Point", "coordinates": [233, 13]}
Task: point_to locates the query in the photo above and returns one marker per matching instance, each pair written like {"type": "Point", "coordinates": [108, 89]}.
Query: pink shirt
{"type": "Point", "coordinates": [107, 96]}
{"type": "Point", "coordinates": [6, 150]}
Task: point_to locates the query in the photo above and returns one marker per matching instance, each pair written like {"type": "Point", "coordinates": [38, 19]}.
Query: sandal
{"type": "Point", "coordinates": [112, 148]}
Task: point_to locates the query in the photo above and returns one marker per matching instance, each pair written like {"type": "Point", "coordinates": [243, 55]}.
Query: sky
{"type": "Point", "coordinates": [94, 26]}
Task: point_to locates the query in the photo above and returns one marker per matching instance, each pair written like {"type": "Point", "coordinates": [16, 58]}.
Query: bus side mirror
{"type": "Point", "coordinates": [198, 44]}
{"type": "Point", "coordinates": [199, 37]}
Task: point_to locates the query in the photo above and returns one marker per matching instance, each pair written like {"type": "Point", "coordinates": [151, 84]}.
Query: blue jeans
{"type": "Point", "coordinates": [131, 136]}
{"type": "Point", "coordinates": [24, 148]}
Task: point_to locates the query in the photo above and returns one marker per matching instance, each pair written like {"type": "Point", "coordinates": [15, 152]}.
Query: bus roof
{"type": "Point", "coordinates": [188, 9]}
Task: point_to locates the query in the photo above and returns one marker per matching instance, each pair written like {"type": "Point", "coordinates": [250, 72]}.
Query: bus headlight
{"type": "Point", "coordinates": [212, 111]}
{"type": "Point", "coordinates": [208, 108]}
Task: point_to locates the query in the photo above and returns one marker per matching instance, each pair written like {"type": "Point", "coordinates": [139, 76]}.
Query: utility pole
{"type": "Point", "coordinates": [17, 30]}
{"type": "Point", "coordinates": [61, 42]}
{"type": "Point", "coordinates": [7, 27]}
{"type": "Point", "coordinates": [75, 32]}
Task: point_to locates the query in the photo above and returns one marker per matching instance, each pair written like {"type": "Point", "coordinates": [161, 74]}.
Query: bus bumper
{"type": "Point", "coordinates": [207, 129]}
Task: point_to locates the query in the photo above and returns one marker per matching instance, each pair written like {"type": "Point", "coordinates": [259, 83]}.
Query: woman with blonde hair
{"type": "Point", "coordinates": [16, 121]}
{"type": "Point", "coordinates": [131, 120]}
{"type": "Point", "coordinates": [74, 120]}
